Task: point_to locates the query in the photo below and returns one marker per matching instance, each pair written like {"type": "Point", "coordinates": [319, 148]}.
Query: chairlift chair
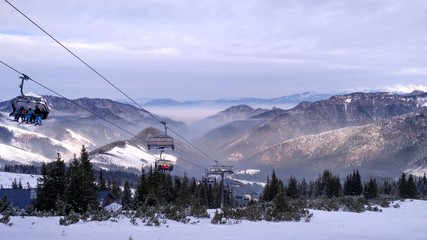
{"type": "Point", "coordinates": [164, 165]}
{"type": "Point", "coordinates": [220, 169]}
{"type": "Point", "coordinates": [162, 141]}
{"type": "Point", "coordinates": [209, 179]}
{"type": "Point", "coordinates": [28, 102]}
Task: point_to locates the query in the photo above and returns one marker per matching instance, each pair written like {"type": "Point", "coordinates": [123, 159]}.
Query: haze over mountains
{"type": "Point", "coordinates": [381, 134]}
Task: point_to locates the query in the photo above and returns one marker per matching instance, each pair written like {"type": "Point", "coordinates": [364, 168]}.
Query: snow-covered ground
{"type": "Point", "coordinates": [130, 156]}
{"type": "Point", "coordinates": [6, 179]}
{"type": "Point", "coordinates": [406, 222]}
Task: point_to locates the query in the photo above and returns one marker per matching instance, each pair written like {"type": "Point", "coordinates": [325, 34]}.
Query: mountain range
{"type": "Point", "coordinates": [381, 134]}
{"type": "Point", "coordinates": [294, 98]}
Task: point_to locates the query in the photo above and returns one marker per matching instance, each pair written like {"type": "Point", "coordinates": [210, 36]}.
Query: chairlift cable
{"type": "Point", "coordinates": [7, 65]}
{"type": "Point", "coordinates": [195, 147]}
{"type": "Point", "coordinates": [81, 60]}
{"type": "Point", "coordinates": [88, 110]}
{"type": "Point", "coordinates": [71, 101]}
{"type": "Point", "coordinates": [109, 82]}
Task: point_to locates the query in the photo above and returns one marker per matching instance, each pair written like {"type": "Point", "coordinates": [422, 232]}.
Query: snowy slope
{"type": "Point", "coordinates": [399, 88]}
{"type": "Point", "coordinates": [6, 179]}
{"type": "Point", "coordinates": [19, 155]}
{"type": "Point", "coordinates": [406, 222]}
{"type": "Point", "coordinates": [129, 156]}
{"type": "Point", "coordinates": [76, 141]}
{"type": "Point", "coordinates": [22, 146]}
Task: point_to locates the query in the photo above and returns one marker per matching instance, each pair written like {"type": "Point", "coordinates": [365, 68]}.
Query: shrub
{"type": "Point", "coordinates": [69, 219]}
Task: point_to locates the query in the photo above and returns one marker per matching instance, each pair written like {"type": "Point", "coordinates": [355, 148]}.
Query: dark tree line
{"type": "Point", "coordinates": [75, 188]}
{"type": "Point", "coordinates": [108, 177]}
{"type": "Point", "coordinates": [408, 187]}
{"type": "Point", "coordinates": [162, 189]}
{"type": "Point", "coordinates": [329, 185]}
{"type": "Point", "coordinates": [27, 169]}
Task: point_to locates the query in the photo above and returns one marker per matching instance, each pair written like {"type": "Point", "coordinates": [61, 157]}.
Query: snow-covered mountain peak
{"type": "Point", "coordinates": [398, 88]}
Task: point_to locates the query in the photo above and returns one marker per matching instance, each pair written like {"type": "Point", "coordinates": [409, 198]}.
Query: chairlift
{"type": "Point", "coordinates": [209, 179]}
{"type": "Point", "coordinates": [215, 172]}
{"type": "Point", "coordinates": [161, 142]}
{"type": "Point", "coordinates": [24, 102]}
{"type": "Point", "coordinates": [220, 170]}
{"type": "Point", "coordinates": [164, 165]}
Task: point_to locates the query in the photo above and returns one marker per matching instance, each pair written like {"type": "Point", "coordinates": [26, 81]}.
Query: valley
{"type": "Point", "coordinates": [381, 134]}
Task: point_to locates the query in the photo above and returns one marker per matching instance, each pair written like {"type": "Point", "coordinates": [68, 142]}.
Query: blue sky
{"type": "Point", "coordinates": [209, 49]}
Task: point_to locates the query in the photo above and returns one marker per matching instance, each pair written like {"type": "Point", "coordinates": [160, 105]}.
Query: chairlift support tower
{"type": "Point", "coordinates": [220, 170]}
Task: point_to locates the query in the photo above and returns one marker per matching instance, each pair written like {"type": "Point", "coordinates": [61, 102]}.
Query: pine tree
{"type": "Point", "coordinates": [303, 189]}
{"type": "Point", "coordinates": [73, 192]}
{"type": "Point", "coordinates": [5, 205]}
{"type": "Point", "coordinates": [422, 185]}
{"type": "Point", "coordinates": [386, 188]}
{"type": "Point", "coordinates": [101, 181]}
{"type": "Point", "coordinates": [185, 191]}
{"type": "Point", "coordinates": [115, 189]}
{"type": "Point", "coordinates": [292, 189]}
{"type": "Point", "coordinates": [411, 188]}
{"type": "Point", "coordinates": [141, 190]}
{"type": "Point", "coordinates": [403, 186]}
{"type": "Point", "coordinates": [51, 186]}
{"type": "Point", "coordinates": [266, 191]}
{"type": "Point", "coordinates": [353, 184]}
{"type": "Point", "coordinates": [82, 193]}
{"type": "Point", "coordinates": [357, 184]}
{"type": "Point", "coordinates": [280, 206]}
{"type": "Point", "coordinates": [168, 194]}
{"type": "Point", "coordinates": [371, 189]}
{"type": "Point", "coordinates": [91, 191]}
{"type": "Point", "coordinates": [327, 185]}
{"type": "Point", "coordinates": [15, 184]}
{"type": "Point", "coordinates": [127, 196]}
{"type": "Point", "coordinates": [273, 186]}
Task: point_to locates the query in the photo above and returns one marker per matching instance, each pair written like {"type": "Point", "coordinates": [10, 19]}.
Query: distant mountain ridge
{"type": "Point", "coordinates": [294, 98]}
{"type": "Point", "coordinates": [256, 140]}
{"type": "Point", "coordinates": [380, 133]}
{"type": "Point", "coordinates": [309, 96]}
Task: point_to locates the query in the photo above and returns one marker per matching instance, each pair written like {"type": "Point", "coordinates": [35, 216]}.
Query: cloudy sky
{"type": "Point", "coordinates": [209, 49]}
